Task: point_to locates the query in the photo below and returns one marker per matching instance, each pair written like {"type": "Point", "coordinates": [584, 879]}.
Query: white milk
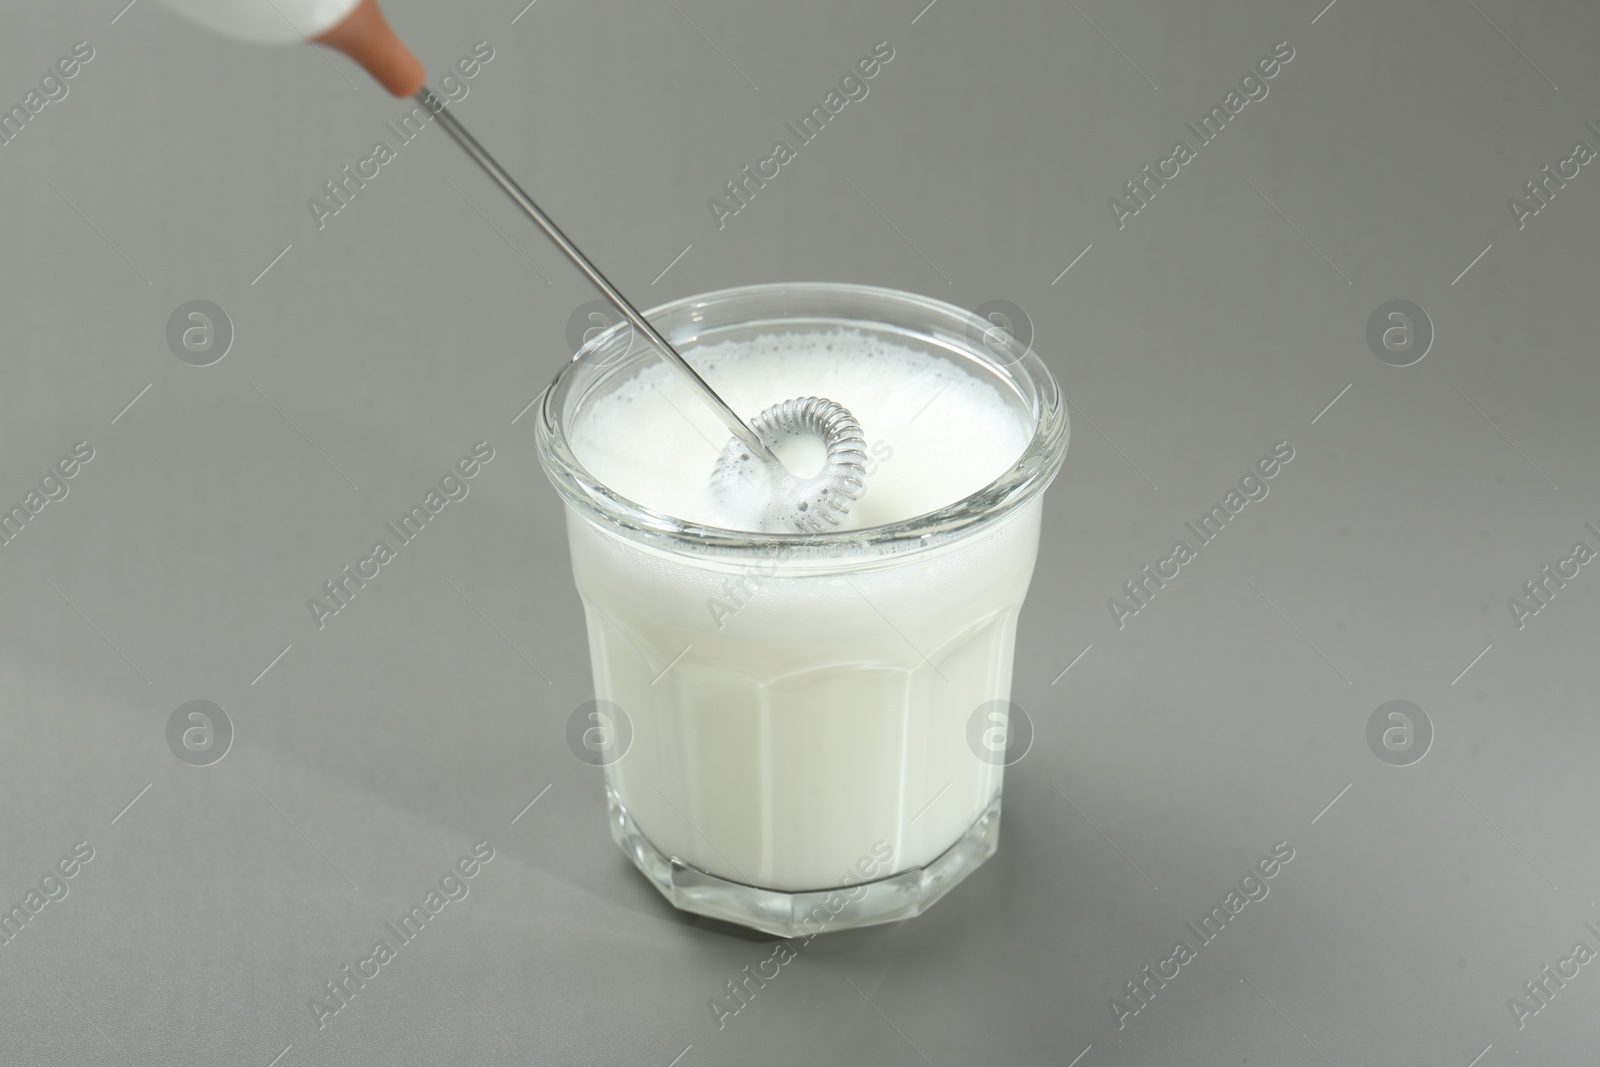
{"type": "Point", "coordinates": [810, 708]}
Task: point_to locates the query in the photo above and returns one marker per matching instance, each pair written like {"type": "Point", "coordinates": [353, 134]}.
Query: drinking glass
{"type": "Point", "coordinates": [799, 730]}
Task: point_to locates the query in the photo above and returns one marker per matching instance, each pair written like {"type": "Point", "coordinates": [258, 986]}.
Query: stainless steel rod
{"type": "Point", "coordinates": [741, 429]}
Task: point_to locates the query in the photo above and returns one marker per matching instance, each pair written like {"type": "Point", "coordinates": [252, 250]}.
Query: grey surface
{"type": "Point", "coordinates": [1223, 718]}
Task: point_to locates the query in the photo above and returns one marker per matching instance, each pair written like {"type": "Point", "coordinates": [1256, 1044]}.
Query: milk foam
{"type": "Point", "coordinates": [935, 431]}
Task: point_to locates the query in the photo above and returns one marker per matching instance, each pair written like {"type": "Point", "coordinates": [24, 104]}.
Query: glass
{"type": "Point", "coordinates": [825, 755]}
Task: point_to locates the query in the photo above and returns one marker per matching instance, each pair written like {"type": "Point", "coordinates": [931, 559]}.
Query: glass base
{"type": "Point", "coordinates": [899, 896]}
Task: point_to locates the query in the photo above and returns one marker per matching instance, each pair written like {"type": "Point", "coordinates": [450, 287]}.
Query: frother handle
{"type": "Point", "coordinates": [355, 27]}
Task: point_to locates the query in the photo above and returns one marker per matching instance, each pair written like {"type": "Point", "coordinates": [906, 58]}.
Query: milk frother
{"type": "Point", "coordinates": [359, 30]}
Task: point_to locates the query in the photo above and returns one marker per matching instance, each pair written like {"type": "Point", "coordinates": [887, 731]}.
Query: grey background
{"type": "Point", "coordinates": [1223, 718]}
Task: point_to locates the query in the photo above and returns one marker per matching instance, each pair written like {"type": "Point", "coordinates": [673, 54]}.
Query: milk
{"type": "Point", "coordinates": [949, 432]}
{"type": "Point", "coordinates": [789, 711]}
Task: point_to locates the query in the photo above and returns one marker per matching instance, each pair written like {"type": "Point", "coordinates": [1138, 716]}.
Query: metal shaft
{"type": "Point", "coordinates": [430, 100]}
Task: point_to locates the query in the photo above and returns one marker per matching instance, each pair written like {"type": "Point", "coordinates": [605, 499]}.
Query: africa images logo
{"type": "Point", "coordinates": [1253, 85]}
{"type": "Point", "coordinates": [852, 86]}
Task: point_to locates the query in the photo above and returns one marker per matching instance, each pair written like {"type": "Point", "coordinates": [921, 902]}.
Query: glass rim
{"type": "Point", "coordinates": [1023, 479]}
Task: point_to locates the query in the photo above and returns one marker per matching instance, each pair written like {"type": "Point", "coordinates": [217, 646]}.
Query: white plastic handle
{"type": "Point", "coordinates": [355, 27]}
{"type": "Point", "coordinates": [266, 21]}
